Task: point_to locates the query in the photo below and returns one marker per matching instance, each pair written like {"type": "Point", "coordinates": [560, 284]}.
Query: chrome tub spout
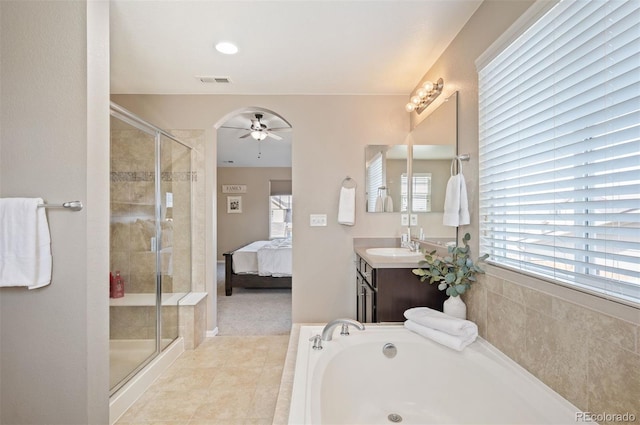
{"type": "Point", "coordinates": [327, 332]}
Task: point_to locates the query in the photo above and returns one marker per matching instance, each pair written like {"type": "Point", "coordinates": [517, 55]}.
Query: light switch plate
{"type": "Point", "coordinates": [413, 219]}
{"type": "Point", "coordinates": [404, 219]}
{"type": "Point", "coordinates": [316, 220]}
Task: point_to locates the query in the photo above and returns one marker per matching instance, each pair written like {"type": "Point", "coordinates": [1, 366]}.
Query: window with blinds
{"type": "Point", "coordinates": [560, 149]}
{"type": "Point", "coordinates": [280, 209]}
{"type": "Point", "coordinates": [375, 180]}
{"type": "Point", "coordinates": [421, 192]}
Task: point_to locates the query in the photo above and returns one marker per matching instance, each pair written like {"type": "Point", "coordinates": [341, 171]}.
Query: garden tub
{"type": "Point", "coordinates": [388, 374]}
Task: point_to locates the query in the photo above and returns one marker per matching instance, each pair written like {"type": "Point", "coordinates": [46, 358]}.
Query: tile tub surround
{"type": "Point", "coordinates": [590, 358]}
{"type": "Point", "coordinates": [226, 380]}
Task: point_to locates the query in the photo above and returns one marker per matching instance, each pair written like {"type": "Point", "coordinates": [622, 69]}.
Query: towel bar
{"type": "Point", "coordinates": [71, 205]}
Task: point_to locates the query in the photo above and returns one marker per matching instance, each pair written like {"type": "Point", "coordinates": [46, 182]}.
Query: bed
{"type": "Point", "coordinates": [260, 264]}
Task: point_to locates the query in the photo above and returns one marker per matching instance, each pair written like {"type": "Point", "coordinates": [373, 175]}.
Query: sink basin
{"type": "Point", "coordinates": [393, 252]}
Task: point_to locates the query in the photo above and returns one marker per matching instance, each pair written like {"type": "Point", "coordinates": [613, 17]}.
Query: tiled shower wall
{"type": "Point", "coordinates": [590, 358]}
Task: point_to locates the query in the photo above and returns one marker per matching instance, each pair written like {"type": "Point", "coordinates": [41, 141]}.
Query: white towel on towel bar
{"type": "Point", "coordinates": [25, 243]}
{"type": "Point", "coordinates": [388, 204]}
{"type": "Point", "coordinates": [347, 206]}
{"type": "Point", "coordinates": [379, 204]}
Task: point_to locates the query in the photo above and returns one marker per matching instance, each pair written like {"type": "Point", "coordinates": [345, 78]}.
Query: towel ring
{"type": "Point", "coordinates": [349, 183]}
{"type": "Point", "coordinates": [459, 162]}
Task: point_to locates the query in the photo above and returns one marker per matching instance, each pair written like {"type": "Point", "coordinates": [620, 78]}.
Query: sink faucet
{"type": "Point", "coordinates": [406, 242]}
{"type": "Point", "coordinates": [327, 332]}
{"type": "Point", "coordinates": [413, 246]}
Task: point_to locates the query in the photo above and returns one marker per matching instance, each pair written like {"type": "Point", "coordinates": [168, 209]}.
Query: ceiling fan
{"type": "Point", "coordinates": [259, 130]}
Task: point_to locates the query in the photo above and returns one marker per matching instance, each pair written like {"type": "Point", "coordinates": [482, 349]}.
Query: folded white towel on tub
{"type": "Point", "coordinates": [25, 243]}
{"type": "Point", "coordinates": [437, 320]}
{"type": "Point", "coordinates": [457, 342]}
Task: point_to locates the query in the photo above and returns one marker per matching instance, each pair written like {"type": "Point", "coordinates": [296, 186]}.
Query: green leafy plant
{"type": "Point", "coordinates": [455, 272]}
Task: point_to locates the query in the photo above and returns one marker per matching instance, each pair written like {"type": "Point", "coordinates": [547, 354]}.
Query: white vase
{"type": "Point", "coordinates": [454, 306]}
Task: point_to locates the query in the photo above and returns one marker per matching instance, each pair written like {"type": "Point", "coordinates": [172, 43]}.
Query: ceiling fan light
{"type": "Point", "coordinates": [227, 48]}
{"type": "Point", "coordinates": [258, 135]}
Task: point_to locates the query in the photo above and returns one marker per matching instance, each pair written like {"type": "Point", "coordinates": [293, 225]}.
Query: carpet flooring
{"type": "Point", "coordinates": [252, 311]}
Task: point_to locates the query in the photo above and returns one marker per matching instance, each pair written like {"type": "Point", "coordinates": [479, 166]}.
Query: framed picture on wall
{"type": "Point", "coordinates": [234, 204]}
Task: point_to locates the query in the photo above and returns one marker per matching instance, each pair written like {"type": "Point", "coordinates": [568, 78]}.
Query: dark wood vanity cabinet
{"type": "Point", "coordinates": [385, 293]}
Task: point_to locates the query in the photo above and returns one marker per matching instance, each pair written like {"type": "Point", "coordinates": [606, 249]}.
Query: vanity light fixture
{"type": "Point", "coordinates": [258, 135]}
{"type": "Point", "coordinates": [426, 93]}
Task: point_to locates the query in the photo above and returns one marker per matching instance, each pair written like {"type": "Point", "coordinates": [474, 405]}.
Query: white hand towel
{"type": "Point", "coordinates": [388, 204]}
{"type": "Point", "coordinates": [347, 206]}
{"type": "Point", "coordinates": [25, 243]}
{"type": "Point", "coordinates": [456, 342]}
{"type": "Point", "coordinates": [451, 215]}
{"type": "Point", "coordinates": [442, 322]}
{"type": "Point", "coordinates": [463, 212]}
{"type": "Point", "coordinates": [456, 204]}
{"type": "Point", "coordinates": [379, 204]}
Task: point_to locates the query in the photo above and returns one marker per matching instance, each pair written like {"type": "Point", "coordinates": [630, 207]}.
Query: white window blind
{"type": "Point", "coordinates": [375, 179]}
{"type": "Point", "coordinates": [560, 149]}
{"type": "Point", "coordinates": [280, 216]}
{"type": "Point", "coordinates": [421, 192]}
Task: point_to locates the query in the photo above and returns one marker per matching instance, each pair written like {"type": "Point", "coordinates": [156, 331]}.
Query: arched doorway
{"type": "Point", "coordinates": [254, 223]}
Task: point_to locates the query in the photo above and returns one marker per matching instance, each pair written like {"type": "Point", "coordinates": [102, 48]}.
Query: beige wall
{"type": "Point", "coordinates": [236, 230]}
{"type": "Point", "coordinates": [54, 144]}
{"type": "Point", "coordinates": [584, 347]}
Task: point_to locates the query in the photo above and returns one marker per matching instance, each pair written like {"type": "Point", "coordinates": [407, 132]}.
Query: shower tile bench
{"type": "Point", "coordinates": [191, 320]}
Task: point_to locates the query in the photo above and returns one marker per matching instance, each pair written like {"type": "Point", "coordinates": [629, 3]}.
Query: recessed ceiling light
{"type": "Point", "coordinates": [227, 48]}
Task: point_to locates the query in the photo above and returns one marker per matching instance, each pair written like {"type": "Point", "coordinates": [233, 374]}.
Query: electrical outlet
{"type": "Point", "coordinates": [413, 219]}
{"type": "Point", "coordinates": [404, 219]}
{"type": "Point", "coordinates": [316, 220]}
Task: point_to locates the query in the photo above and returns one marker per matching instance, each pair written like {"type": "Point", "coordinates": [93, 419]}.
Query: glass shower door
{"type": "Point", "coordinates": [150, 241]}
{"type": "Point", "coordinates": [174, 255]}
{"type": "Point", "coordinates": [132, 316]}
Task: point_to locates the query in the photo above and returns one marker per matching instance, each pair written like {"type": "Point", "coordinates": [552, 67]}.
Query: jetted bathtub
{"type": "Point", "coordinates": [352, 381]}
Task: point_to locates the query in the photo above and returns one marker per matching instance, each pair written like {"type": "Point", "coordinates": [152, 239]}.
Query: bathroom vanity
{"type": "Point", "coordinates": [386, 287]}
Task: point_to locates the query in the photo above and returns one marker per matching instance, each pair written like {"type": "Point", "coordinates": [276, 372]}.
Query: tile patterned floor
{"type": "Point", "coordinates": [227, 380]}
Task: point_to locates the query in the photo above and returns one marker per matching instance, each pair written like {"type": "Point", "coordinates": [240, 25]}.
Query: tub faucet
{"type": "Point", "coordinates": [327, 332]}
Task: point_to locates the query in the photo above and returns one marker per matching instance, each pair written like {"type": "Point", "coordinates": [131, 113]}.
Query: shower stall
{"type": "Point", "coordinates": [150, 242]}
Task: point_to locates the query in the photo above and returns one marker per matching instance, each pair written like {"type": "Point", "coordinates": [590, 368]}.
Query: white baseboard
{"type": "Point", "coordinates": [210, 334]}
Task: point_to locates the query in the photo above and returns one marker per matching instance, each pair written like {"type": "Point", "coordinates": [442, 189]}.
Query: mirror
{"type": "Point", "coordinates": [433, 145]}
{"type": "Point", "coordinates": [430, 171]}
{"type": "Point", "coordinates": [385, 168]}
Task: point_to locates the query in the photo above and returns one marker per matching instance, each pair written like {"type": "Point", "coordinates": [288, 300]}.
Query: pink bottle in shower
{"type": "Point", "coordinates": [117, 289]}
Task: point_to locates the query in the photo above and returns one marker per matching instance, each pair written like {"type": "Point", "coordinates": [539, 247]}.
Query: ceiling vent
{"type": "Point", "coordinates": [220, 80]}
